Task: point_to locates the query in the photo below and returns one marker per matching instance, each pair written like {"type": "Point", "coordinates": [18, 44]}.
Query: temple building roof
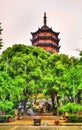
{"type": "Point", "coordinates": [45, 27]}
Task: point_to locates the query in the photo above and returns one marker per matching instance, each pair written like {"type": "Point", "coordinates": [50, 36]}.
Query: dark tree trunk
{"type": "Point", "coordinates": [25, 101]}
{"type": "Point", "coordinates": [79, 97]}
{"type": "Point", "coordinates": [53, 99]}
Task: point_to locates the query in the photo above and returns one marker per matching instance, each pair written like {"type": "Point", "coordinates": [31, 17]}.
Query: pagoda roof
{"type": "Point", "coordinates": [45, 28]}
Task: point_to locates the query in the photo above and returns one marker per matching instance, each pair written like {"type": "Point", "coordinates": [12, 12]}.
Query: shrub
{"type": "Point", "coordinates": [4, 118]}
{"type": "Point", "coordinates": [6, 106]}
{"type": "Point", "coordinates": [11, 112]}
{"type": "Point", "coordinates": [79, 118]}
{"type": "Point", "coordinates": [70, 108]}
{"type": "Point", "coordinates": [73, 118]}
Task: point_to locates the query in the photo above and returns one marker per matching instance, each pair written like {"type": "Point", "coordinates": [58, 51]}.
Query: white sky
{"type": "Point", "coordinates": [20, 17]}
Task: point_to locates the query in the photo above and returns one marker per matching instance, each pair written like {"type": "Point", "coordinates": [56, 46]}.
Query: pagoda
{"type": "Point", "coordinates": [46, 38]}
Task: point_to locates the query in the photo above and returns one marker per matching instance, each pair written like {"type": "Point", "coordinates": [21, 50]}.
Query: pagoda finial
{"type": "Point", "coordinates": [45, 18]}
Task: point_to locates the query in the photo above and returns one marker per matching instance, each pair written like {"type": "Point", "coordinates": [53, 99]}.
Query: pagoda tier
{"type": "Point", "coordinates": [46, 38]}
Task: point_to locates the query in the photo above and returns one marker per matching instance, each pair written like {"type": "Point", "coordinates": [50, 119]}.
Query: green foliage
{"type": "Point", "coordinates": [80, 119]}
{"type": "Point", "coordinates": [23, 67]}
{"type": "Point", "coordinates": [70, 108]}
{"type": "Point", "coordinates": [6, 106]}
{"type": "Point", "coordinates": [71, 87]}
{"type": "Point", "coordinates": [4, 118]}
{"type": "Point", "coordinates": [81, 57]}
{"type": "Point", "coordinates": [73, 118]}
{"type": "Point", "coordinates": [28, 70]}
{"type": "Point", "coordinates": [10, 91]}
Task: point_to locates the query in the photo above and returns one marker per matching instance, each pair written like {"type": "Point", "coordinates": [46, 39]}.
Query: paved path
{"type": "Point", "coordinates": [25, 127]}
{"type": "Point", "coordinates": [28, 124]}
{"type": "Point", "coordinates": [14, 128]}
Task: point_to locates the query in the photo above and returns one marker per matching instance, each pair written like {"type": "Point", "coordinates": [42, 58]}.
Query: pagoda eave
{"type": "Point", "coordinates": [46, 44]}
{"type": "Point", "coordinates": [34, 41]}
{"type": "Point", "coordinates": [46, 30]}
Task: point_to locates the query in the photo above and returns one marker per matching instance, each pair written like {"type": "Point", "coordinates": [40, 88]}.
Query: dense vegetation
{"type": "Point", "coordinates": [26, 71]}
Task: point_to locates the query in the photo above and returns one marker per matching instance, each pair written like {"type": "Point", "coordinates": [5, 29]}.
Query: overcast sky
{"type": "Point", "coordinates": [20, 17]}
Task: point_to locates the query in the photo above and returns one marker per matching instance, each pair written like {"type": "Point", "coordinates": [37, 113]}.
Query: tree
{"type": "Point", "coordinates": [28, 63]}
{"type": "Point", "coordinates": [53, 77]}
{"type": "Point", "coordinates": [0, 37]}
{"type": "Point", "coordinates": [32, 70]}
{"type": "Point", "coordinates": [11, 91]}
{"type": "Point", "coordinates": [71, 87]}
{"type": "Point", "coordinates": [80, 56]}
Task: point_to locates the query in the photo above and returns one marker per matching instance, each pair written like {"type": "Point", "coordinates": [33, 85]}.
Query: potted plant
{"type": "Point", "coordinates": [67, 118]}
{"type": "Point", "coordinates": [37, 121]}
{"type": "Point", "coordinates": [9, 119]}
{"type": "Point", "coordinates": [56, 121]}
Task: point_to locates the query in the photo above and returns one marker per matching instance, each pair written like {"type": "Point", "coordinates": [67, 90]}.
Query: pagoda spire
{"type": "Point", "coordinates": [45, 19]}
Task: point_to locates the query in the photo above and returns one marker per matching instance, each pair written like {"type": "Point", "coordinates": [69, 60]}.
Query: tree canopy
{"type": "Point", "coordinates": [27, 70]}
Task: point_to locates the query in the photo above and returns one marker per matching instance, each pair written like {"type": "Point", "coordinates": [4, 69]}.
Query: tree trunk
{"type": "Point", "coordinates": [79, 97]}
{"type": "Point", "coordinates": [53, 98]}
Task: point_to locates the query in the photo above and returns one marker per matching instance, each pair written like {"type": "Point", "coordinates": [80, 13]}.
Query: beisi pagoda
{"type": "Point", "coordinates": [46, 38]}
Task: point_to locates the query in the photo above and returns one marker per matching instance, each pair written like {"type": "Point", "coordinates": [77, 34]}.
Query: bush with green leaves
{"type": "Point", "coordinates": [80, 119]}
{"type": "Point", "coordinates": [4, 118]}
{"type": "Point", "coordinates": [6, 106]}
{"type": "Point", "coordinates": [73, 118]}
{"type": "Point", "coordinates": [70, 108]}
